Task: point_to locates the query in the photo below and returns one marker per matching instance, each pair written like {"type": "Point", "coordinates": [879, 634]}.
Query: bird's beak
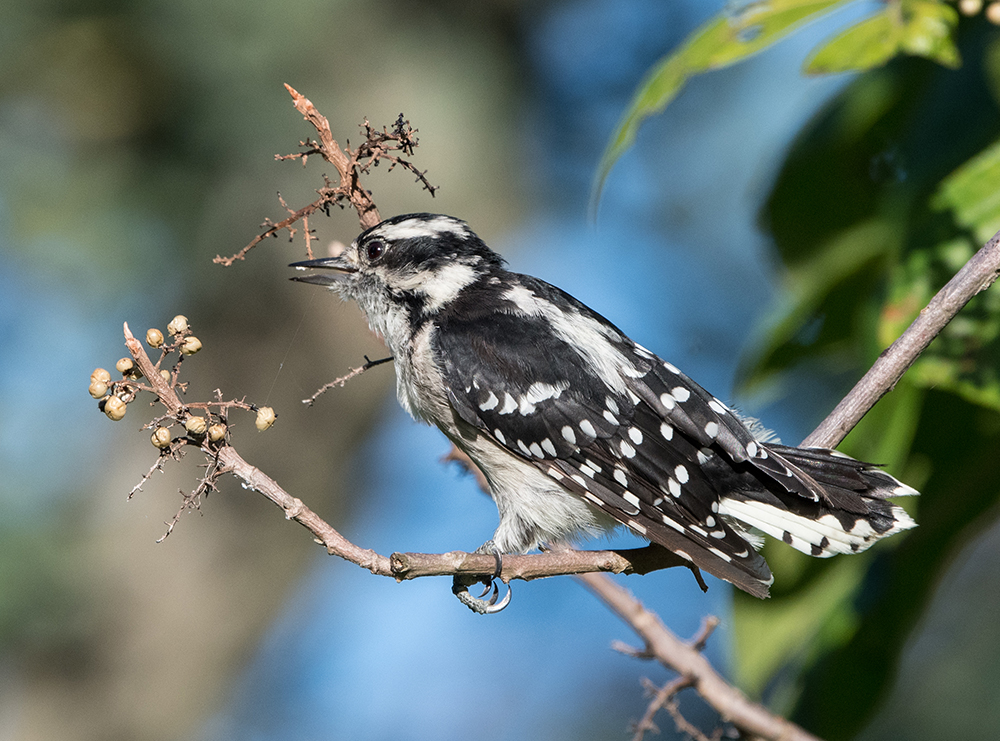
{"type": "Point", "coordinates": [340, 264]}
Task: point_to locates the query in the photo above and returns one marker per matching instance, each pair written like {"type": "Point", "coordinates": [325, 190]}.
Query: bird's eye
{"type": "Point", "coordinates": [374, 250]}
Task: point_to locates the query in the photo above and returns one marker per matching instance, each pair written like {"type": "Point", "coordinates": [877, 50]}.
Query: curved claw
{"type": "Point", "coordinates": [479, 605]}
{"type": "Point", "coordinates": [496, 593]}
{"type": "Point", "coordinates": [489, 585]}
{"type": "Point", "coordinates": [502, 603]}
{"type": "Point", "coordinates": [460, 587]}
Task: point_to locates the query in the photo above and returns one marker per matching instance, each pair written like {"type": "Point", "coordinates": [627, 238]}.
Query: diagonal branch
{"type": "Point", "coordinates": [391, 144]}
{"type": "Point", "coordinates": [686, 660]}
{"type": "Point", "coordinates": [347, 167]}
{"type": "Point", "coordinates": [976, 276]}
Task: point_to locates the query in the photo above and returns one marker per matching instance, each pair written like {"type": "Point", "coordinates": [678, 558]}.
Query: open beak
{"type": "Point", "coordinates": [341, 267]}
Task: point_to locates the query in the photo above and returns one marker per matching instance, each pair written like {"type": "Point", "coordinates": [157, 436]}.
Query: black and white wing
{"type": "Point", "coordinates": [819, 501]}
{"type": "Point", "coordinates": [636, 438]}
{"type": "Point", "coordinates": [637, 461]}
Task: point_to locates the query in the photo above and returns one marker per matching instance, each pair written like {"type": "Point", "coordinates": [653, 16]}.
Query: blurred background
{"type": "Point", "coordinates": [767, 234]}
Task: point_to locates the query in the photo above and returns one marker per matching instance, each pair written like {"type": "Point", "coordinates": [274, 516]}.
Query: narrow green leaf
{"type": "Point", "coordinates": [835, 264]}
{"type": "Point", "coordinates": [965, 358]}
{"type": "Point", "coordinates": [723, 40]}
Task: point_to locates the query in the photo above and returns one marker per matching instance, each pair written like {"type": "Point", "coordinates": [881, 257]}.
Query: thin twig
{"type": "Point", "coordinates": [660, 697]}
{"type": "Point", "coordinates": [663, 697]}
{"type": "Point", "coordinates": [158, 466]}
{"type": "Point", "coordinates": [708, 625]}
{"type": "Point", "coordinates": [399, 566]}
{"type": "Point", "coordinates": [977, 275]}
{"type": "Point", "coordinates": [344, 379]}
{"type": "Point", "coordinates": [686, 727]}
{"type": "Point", "coordinates": [376, 147]}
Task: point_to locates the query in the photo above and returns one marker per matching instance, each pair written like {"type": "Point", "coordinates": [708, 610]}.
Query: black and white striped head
{"type": "Point", "coordinates": [422, 261]}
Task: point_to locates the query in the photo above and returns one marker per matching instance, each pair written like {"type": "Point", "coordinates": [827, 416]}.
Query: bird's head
{"type": "Point", "coordinates": [424, 259]}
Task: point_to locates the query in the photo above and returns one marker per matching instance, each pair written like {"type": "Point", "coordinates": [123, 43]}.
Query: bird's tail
{"type": "Point", "coordinates": [851, 508]}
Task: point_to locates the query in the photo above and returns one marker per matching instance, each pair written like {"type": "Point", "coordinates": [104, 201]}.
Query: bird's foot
{"type": "Point", "coordinates": [460, 586]}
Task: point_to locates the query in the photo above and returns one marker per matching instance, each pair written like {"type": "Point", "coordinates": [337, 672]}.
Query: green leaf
{"type": "Point", "coordinates": [959, 491]}
{"type": "Point", "coordinates": [965, 357]}
{"type": "Point", "coordinates": [917, 27]}
{"type": "Point", "coordinates": [922, 28]}
{"type": "Point", "coordinates": [794, 630]}
{"type": "Point", "coordinates": [725, 39]}
{"type": "Point", "coordinates": [866, 45]}
{"type": "Point", "coordinates": [815, 606]}
{"type": "Point", "coordinates": [891, 139]}
{"type": "Point", "coordinates": [928, 31]}
{"type": "Point", "coordinates": [972, 194]}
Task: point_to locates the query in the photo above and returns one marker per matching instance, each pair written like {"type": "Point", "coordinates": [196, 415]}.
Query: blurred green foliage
{"type": "Point", "coordinates": [884, 196]}
{"type": "Point", "coordinates": [922, 28]}
{"type": "Point", "coordinates": [879, 203]}
{"type": "Point", "coordinates": [881, 199]}
{"type": "Point", "coordinates": [725, 39]}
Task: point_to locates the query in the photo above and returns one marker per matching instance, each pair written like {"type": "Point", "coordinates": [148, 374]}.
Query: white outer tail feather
{"type": "Point", "coordinates": [807, 535]}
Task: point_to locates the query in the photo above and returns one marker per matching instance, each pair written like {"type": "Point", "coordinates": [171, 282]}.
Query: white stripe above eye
{"type": "Point", "coordinates": [413, 228]}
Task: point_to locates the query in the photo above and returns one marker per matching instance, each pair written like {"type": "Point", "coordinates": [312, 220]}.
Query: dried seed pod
{"type": "Point", "coordinates": [161, 437]}
{"type": "Point", "coordinates": [115, 408]}
{"type": "Point", "coordinates": [98, 389]}
{"type": "Point", "coordinates": [195, 425]}
{"type": "Point", "coordinates": [191, 345]}
{"type": "Point", "coordinates": [178, 325]}
{"type": "Point", "coordinates": [265, 418]}
{"type": "Point", "coordinates": [217, 432]}
{"type": "Point", "coordinates": [154, 337]}
{"type": "Point", "coordinates": [101, 375]}
{"type": "Point", "coordinates": [165, 375]}
{"type": "Point", "coordinates": [125, 366]}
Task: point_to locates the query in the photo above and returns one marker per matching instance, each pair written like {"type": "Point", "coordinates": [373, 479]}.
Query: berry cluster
{"type": "Point", "coordinates": [114, 396]}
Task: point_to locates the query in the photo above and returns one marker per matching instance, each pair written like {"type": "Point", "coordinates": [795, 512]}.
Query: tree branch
{"type": "Point", "coordinates": [976, 276]}
{"type": "Point", "coordinates": [399, 566]}
{"type": "Point", "coordinates": [691, 665]}
{"type": "Point", "coordinates": [377, 146]}
{"type": "Point", "coordinates": [346, 166]}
